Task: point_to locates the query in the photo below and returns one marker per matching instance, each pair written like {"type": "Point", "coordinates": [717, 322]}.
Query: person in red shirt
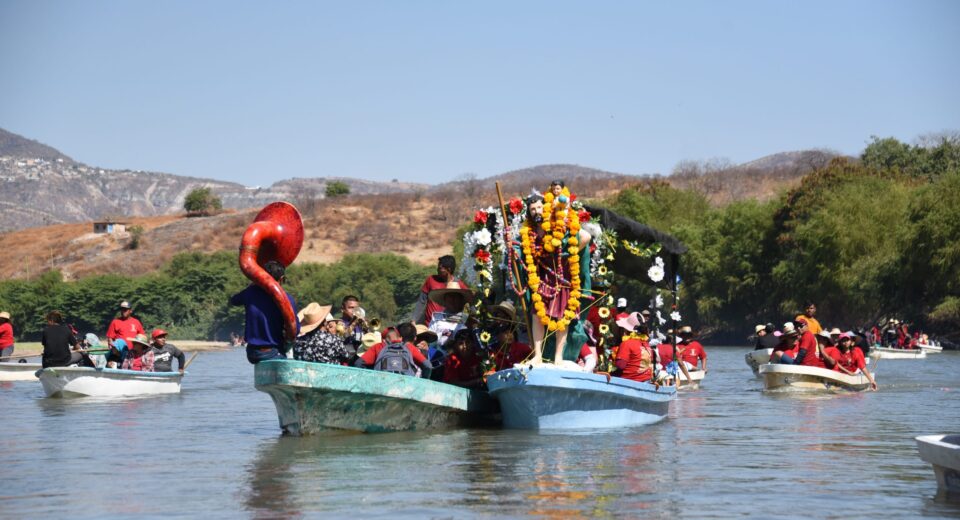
{"type": "Point", "coordinates": [126, 326]}
{"type": "Point", "coordinates": [786, 351]}
{"type": "Point", "coordinates": [509, 351]}
{"type": "Point", "coordinates": [462, 367]}
{"type": "Point", "coordinates": [424, 309]}
{"type": "Point", "coordinates": [691, 351]}
{"type": "Point", "coordinates": [6, 336]}
{"type": "Point", "coordinates": [408, 334]}
{"type": "Point", "coordinates": [828, 352]}
{"type": "Point", "coordinates": [850, 360]}
{"type": "Point", "coordinates": [588, 352]}
{"type": "Point", "coordinates": [634, 356]}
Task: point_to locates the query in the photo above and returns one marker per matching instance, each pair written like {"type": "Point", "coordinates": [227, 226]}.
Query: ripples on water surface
{"type": "Point", "coordinates": [726, 450]}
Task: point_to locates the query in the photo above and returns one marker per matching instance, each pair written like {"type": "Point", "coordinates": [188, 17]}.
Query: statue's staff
{"type": "Point", "coordinates": [514, 273]}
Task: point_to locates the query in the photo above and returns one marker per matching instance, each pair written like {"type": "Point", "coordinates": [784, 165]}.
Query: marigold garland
{"type": "Point", "coordinates": [562, 228]}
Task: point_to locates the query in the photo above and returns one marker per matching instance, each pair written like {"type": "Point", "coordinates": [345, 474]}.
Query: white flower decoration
{"type": "Point", "coordinates": [660, 318]}
{"type": "Point", "coordinates": [658, 301]}
{"type": "Point", "coordinates": [483, 238]}
{"type": "Point", "coordinates": [675, 316]}
{"type": "Point", "coordinates": [655, 273]}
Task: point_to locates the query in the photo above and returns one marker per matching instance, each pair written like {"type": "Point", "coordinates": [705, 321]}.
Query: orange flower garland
{"type": "Point", "coordinates": [558, 220]}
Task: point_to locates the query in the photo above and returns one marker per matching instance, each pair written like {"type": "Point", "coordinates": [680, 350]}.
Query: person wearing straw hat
{"type": "Point", "coordinates": [164, 353]}
{"type": "Point", "coordinates": [316, 343]}
{"type": "Point", "coordinates": [6, 336]}
{"type": "Point", "coordinates": [425, 308]}
{"type": "Point", "coordinates": [786, 351]}
{"type": "Point", "coordinates": [453, 298]}
{"type": "Point", "coordinates": [141, 355]}
{"type": "Point", "coordinates": [125, 326]}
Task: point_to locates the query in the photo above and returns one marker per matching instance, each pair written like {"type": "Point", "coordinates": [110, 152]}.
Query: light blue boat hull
{"type": "Point", "coordinates": [560, 399]}
{"type": "Point", "coordinates": [314, 397]}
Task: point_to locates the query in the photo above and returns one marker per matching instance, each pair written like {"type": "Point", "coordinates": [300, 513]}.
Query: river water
{"type": "Point", "coordinates": [726, 450]}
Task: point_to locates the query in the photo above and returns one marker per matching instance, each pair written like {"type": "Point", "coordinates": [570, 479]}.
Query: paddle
{"type": "Point", "coordinates": [194, 356]}
{"type": "Point", "coordinates": [38, 354]}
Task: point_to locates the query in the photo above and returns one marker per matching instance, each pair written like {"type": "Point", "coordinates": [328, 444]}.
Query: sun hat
{"type": "Point", "coordinates": [92, 339]}
{"type": "Point", "coordinates": [425, 334]}
{"type": "Point", "coordinates": [312, 316]}
{"type": "Point", "coordinates": [5, 315]}
{"type": "Point", "coordinates": [825, 336]}
{"type": "Point", "coordinates": [789, 328]}
{"type": "Point", "coordinates": [621, 303]}
{"type": "Point", "coordinates": [844, 336]}
{"type": "Point", "coordinates": [436, 295]}
{"type": "Point", "coordinates": [157, 333]}
{"type": "Point", "coordinates": [758, 328]}
{"type": "Point", "coordinates": [140, 339]}
{"type": "Point", "coordinates": [505, 306]}
{"type": "Point", "coordinates": [125, 305]}
{"type": "Point", "coordinates": [371, 338]}
{"type": "Point", "coordinates": [686, 329]}
{"type": "Point", "coordinates": [835, 331]}
{"type": "Point", "coordinates": [630, 322]}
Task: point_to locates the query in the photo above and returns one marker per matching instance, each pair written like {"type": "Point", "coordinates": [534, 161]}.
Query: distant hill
{"type": "Point", "coordinates": [13, 145]}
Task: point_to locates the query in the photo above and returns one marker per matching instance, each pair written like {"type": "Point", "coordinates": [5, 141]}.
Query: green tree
{"type": "Point", "coordinates": [202, 201]}
{"type": "Point", "coordinates": [337, 189]}
{"type": "Point", "coordinates": [136, 234]}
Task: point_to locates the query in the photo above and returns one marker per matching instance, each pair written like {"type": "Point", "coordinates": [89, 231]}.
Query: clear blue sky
{"type": "Point", "coordinates": [255, 92]}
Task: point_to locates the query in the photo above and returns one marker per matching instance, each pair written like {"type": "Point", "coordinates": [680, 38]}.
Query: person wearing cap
{"type": "Point", "coordinates": [451, 319]}
{"type": "Point", "coordinates": [164, 353]}
{"type": "Point", "coordinates": [691, 351]}
{"type": "Point", "coordinates": [809, 311]}
{"type": "Point", "coordinates": [316, 343]}
{"type": "Point", "coordinates": [621, 308]}
{"type": "Point", "coordinates": [140, 358]}
{"type": "Point", "coordinates": [425, 308]}
{"type": "Point", "coordinates": [263, 320]}
{"type": "Point", "coordinates": [635, 358]}
{"type": "Point", "coordinates": [6, 336]}
{"type": "Point", "coordinates": [125, 326]}
{"type": "Point", "coordinates": [850, 360]}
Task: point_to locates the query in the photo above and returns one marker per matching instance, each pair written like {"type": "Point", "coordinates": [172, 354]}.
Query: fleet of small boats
{"type": "Point", "coordinates": [897, 353]}
{"type": "Point", "coordinates": [943, 452]}
{"type": "Point", "coordinates": [547, 397]}
{"type": "Point", "coordinates": [313, 397]}
{"type": "Point", "coordinates": [106, 382]}
{"type": "Point", "coordinates": [19, 371]}
{"type": "Point", "coordinates": [806, 378]}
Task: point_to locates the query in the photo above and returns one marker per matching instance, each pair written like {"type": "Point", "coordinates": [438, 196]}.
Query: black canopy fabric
{"type": "Point", "coordinates": [633, 266]}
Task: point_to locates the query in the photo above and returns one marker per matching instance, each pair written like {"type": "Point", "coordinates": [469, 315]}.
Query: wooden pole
{"type": "Point", "coordinates": [194, 356]}
{"type": "Point", "coordinates": [513, 272]}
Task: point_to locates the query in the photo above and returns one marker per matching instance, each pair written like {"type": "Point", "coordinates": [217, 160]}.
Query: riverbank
{"type": "Point", "coordinates": [34, 347]}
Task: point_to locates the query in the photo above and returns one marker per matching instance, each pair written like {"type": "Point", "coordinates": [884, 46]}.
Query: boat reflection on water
{"type": "Point", "coordinates": [486, 471]}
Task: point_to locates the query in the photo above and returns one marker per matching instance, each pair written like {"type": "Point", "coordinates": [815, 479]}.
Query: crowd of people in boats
{"type": "Point", "coordinates": [804, 341]}
{"type": "Point", "coordinates": [127, 346]}
{"type": "Point", "coordinates": [443, 342]}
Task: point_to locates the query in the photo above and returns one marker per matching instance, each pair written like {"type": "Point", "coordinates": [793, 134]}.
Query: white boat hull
{"type": "Point", "coordinates": [812, 379]}
{"type": "Point", "coordinates": [930, 348]}
{"type": "Point", "coordinates": [19, 371]}
{"type": "Point", "coordinates": [755, 358]}
{"type": "Point", "coordinates": [897, 353]}
{"type": "Point", "coordinates": [696, 377]}
{"type": "Point", "coordinates": [107, 382]}
{"type": "Point", "coordinates": [943, 452]}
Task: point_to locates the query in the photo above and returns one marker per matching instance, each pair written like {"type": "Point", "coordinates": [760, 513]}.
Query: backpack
{"type": "Point", "coordinates": [395, 358]}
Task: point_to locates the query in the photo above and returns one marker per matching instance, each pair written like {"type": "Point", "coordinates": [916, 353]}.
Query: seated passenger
{"type": "Point", "coordinates": [117, 353]}
{"type": "Point", "coordinates": [316, 343]}
{"type": "Point", "coordinates": [399, 357]}
{"type": "Point", "coordinates": [851, 361]}
{"type": "Point", "coordinates": [451, 319]}
{"type": "Point", "coordinates": [588, 352]}
{"type": "Point", "coordinates": [691, 351]}
{"type": "Point", "coordinates": [462, 367]}
{"type": "Point", "coordinates": [786, 351]}
{"type": "Point", "coordinates": [634, 356]}
{"type": "Point", "coordinates": [808, 350]}
{"type": "Point", "coordinates": [828, 352]}
{"type": "Point", "coordinates": [509, 351]}
{"type": "Point", "coordinates": [424, 342]}
{"type": "Point", "coordinates": [140, 356]}
{"type": "Point", "coordinates": [58, 341]}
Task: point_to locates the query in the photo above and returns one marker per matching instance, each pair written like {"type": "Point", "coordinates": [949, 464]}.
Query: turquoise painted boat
{"type": "Point", "coordinates": [314, 397]}
{"type": "Point", "coordinates": [548, 398]}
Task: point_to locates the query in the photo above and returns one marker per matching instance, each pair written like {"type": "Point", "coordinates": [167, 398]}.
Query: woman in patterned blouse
{"type": "Point", "coordinates": [318, 341]}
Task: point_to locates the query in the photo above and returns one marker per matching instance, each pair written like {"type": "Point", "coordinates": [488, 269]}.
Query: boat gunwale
{"type": "Point", "coordinates": [599, 384]}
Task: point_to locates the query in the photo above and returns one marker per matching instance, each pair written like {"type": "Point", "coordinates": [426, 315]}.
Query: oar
{"type": "Point", "coordinates": [194, 356]}
{"type": "Point", "coordinates": [38, 354]}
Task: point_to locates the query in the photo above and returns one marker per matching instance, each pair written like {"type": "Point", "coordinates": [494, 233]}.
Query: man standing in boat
{"type": "Point", "coordinates": [6, 336]}
{"type": "Point", "coordinates": [126, 326]}
{"type": "Point", "coordinates": [425, 308]}
{"type": "Point", "coordinates": [263, 324]}
{"type": "Point", "coordinates": [813, 326]}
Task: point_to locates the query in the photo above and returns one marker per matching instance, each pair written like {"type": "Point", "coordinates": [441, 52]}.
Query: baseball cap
{"type": "Point", "coordinates": [124, 304]}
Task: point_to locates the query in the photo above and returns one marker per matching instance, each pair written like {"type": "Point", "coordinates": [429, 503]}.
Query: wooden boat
{"type": "Point", "coordinates": [755, 358]}
{"type": "Point", "coordinates": [106, 382]}
{"type": "Point", "coordinates": [313, 397]}
{"type": "Point", "coordinates": [19, 371]}
{"type": "Point", "coordinates": [806, 378]}
{"type": "Point", "coordinates": [897, 353]}
{"type": "Point", "coordinates": [546, 397]}
{"type": "Point", "coordinates": [943, 452]}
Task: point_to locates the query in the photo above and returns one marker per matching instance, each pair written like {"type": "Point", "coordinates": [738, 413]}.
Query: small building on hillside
{"type": "Point", "coordinates": [109, 226]}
